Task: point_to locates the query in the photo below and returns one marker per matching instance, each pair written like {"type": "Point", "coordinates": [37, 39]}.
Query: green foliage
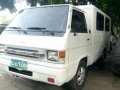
{"type": "Point", "coordinates": [5, 20]}
{"type": "Point", "coordinates": [32, 2]}
{"type": "Point", "coordinates": [45, 2]}
{"type": "Point", "coordinates": [8, 4]}
{"type": "Point", "coordinates": [82, 2]}
{"type": "Point", "coordinates": [94, 2]}
{"type": "Point", "coordinates": [111, 7]}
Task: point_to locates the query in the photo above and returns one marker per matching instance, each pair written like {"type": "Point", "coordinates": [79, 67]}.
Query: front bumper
{"type": "Point", "coordinates": [39, 72]}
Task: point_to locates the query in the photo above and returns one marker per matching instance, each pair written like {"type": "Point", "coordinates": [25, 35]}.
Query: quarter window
{"type": "Point", "coordinates": [100, 22]}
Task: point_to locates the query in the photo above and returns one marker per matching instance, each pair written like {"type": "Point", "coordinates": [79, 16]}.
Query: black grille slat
{"type": "Point", "coordinates": [21, 55]}
{"type": "Point", "coordinates": [24, 72]}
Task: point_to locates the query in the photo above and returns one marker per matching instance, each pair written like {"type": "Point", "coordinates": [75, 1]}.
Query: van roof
{"type": "Point", "coordinates": [50, 5]}
{"type": "Point", "coordinates": [91, 7]}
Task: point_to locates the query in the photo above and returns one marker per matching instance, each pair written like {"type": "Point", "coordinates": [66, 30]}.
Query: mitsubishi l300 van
{"type": "Point", "coordinates": [54, 44]}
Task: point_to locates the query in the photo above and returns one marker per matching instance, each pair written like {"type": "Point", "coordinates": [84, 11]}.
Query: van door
{"type": "Point", "coordinates": [79, 39]}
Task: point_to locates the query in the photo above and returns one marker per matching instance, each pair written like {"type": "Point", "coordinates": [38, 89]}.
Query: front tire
{"type": "Point", "coordinates": [79, 79]}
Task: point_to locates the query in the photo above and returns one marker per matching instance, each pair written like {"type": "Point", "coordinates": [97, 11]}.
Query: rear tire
{"type": "Point", "coordinates": [79, 79]}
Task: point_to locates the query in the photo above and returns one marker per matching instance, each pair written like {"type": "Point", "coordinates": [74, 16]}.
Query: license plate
{"type": "Point", "coordinates": [19, 64]}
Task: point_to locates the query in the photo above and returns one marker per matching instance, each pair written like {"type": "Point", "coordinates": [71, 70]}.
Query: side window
{"type": "Point", "coordinates": [100, 22]}
{"type": "Point", "coordinates": [78, 24]}
{"type": "Point", "coordinates": [107, 24]}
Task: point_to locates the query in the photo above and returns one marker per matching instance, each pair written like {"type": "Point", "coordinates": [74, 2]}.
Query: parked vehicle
{"type": "Point", "coordinates": [55, 44]}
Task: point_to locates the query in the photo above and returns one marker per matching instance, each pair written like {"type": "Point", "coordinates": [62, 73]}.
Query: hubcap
{"type": "Point", "coordinates": [81, 75]}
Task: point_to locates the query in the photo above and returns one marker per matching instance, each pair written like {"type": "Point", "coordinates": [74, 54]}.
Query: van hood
{"type": "Point", "coordinates": [43, 42]}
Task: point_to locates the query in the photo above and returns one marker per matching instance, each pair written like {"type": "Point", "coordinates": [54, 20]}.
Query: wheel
{"type": "Point", "coordinates": [79, 79]}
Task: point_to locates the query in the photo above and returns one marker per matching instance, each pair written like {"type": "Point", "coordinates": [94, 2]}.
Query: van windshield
{"type": "Point", "coordinates": [44, 21]}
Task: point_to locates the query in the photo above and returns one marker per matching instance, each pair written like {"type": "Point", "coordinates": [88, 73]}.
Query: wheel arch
{"type": "Point", "coordinates": [83, 59]}
{"type": "Point", "coordinates": [73, 83]}
{"type": "Point", "coordinates": [72, 75]}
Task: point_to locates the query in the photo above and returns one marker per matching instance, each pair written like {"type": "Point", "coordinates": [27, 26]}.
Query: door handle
{"type": "Point", "coordinates": [88, 39]}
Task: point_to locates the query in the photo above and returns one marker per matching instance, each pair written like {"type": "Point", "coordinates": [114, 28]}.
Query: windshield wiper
{"type": "Point", "coordinates": [14, 27]}
{"type": "Point", "coordinates": [49, 32]}
{"type": "Point", "coordinates": [22, 31]}
{"type": "Point", "coordinates": [18, 29]}
{"type": "Point", "coordinates": [36, 28]}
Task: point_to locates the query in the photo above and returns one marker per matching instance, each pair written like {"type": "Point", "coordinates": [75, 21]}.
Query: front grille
{"type": "Point", "coordinates": [24, 72]}
{"type": "Point", "coordinates": [24, 52]}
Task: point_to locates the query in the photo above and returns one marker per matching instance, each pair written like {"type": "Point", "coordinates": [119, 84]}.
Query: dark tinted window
{"type": "Point", "coordinates": [107, 24]}
{"type": "Point", "coordinates": [100, 22]}
{"type": "Point", "coordinates": [78, 22]}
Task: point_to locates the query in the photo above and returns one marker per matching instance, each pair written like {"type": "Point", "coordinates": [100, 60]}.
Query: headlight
{"type": "Point", "coordinates": [53, 55]}
{"type": "Point", "coordinates": [2, 48]}
{"type": "Point", "coordinates": [57, 56]}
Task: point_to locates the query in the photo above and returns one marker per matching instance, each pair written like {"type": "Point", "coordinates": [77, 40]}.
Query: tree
{"type": "Point", "coordinates": [7, 4]}
{"type": "Point", "coordinates": [82, 2]}
{"type": "Point", "coordinates": [111, 7]}
{"type": "Point", "coordinates": [93, 1]}
{"type": "Point", "coordinates": [32, 2]}
{"type": "Point", "coordinates": [45, 2]}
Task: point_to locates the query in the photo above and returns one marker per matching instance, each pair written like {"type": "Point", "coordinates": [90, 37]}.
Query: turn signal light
{"type": "Point", "coordinates": [51, 80]}
{"type": "Point", "coordinates": [62, 54]}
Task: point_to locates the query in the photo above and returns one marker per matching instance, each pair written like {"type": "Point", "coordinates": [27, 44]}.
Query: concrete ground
{"type": "Point", "coordinates": [99, 78]}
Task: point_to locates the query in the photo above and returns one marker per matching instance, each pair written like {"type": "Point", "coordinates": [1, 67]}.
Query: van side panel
{"type": "Point", "coordinates": [79, 48]}
{"type": "Point", "coordinates": [100, 39]}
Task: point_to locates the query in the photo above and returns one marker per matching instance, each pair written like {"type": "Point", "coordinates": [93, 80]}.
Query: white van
{"type": "Point", "coordinates": [54, 44]}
